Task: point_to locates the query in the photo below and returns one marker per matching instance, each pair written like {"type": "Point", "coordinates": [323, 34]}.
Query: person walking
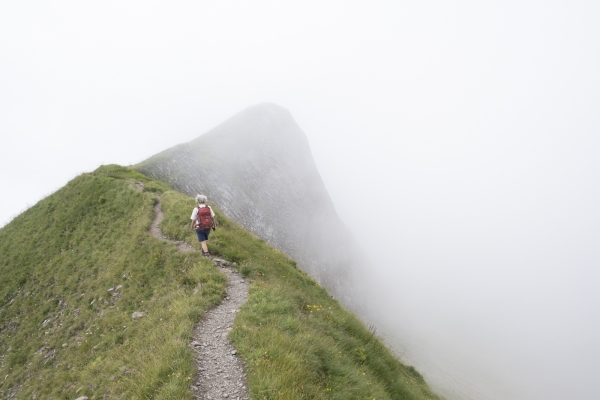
{"type": "Point", "coordinates": [203, 219]}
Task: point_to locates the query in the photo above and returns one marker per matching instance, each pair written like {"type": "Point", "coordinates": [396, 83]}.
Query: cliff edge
{"type": "Point", "coordinates": [258, 168]}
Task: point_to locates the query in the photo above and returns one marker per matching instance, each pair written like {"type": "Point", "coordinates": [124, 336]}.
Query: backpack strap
{"type": "Point", "coordinates": [198, 217]}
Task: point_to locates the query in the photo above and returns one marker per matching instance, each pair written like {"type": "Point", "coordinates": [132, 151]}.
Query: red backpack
{"type": "Point", "coordinates": [205, 219]}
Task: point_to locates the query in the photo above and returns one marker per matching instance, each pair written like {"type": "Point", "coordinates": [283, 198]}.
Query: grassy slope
{"type": "Point", "coordinates": [58, 259]}
{"type": "Point", "coordinates": [57, 262]}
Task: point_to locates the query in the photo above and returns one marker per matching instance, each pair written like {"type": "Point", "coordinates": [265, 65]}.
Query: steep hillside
{"type": "Point", "coordinates": [258, 168]}
{"type": "Point", "coordinates": [76, 266]}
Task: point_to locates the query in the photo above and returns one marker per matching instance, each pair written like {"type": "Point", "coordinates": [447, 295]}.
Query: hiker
{"type": "Point", "coordinates": [203, 219]}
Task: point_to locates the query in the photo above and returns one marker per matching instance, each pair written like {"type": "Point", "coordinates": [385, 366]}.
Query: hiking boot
{"type": "Point", "coordinates": [205, 254]}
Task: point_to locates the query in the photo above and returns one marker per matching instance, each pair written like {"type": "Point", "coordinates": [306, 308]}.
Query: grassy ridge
{"type": "Point", "coordinates": [297, 341]}
{"type": "Point", "coordinates": [64, 335]}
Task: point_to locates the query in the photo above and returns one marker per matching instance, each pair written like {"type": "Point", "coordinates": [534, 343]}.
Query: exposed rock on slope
{"type": "Point", "coordinates": [258, 168]}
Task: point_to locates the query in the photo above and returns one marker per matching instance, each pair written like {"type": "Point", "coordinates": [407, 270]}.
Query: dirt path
{"type": "Point", "coordinates": [155, 229]}
{"type": "Point", "coordinates": [221, 373]}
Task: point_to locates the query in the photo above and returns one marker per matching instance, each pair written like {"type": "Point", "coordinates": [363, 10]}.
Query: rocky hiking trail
{"type": "Point", "coordinates": [221, 374]}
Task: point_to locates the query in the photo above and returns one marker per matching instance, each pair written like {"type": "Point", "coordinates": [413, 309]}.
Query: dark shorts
{"type": "Point", "coordinates": [202, 234]}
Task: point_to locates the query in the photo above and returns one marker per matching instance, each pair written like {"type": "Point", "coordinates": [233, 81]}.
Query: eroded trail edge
{"type": "Point", "coordinates": [221, 373]}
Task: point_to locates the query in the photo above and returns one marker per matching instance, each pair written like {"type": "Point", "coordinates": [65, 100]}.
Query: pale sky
{"type": "Point", "coordinates": [470, 130]}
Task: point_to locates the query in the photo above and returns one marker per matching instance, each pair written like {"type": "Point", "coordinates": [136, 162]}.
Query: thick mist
{"type": "Point", "coordinates": [458, 141]}
{"type": "Point", "coordinates": [484, 244]}
{"type": "Point", "coordinates": [485, 265]}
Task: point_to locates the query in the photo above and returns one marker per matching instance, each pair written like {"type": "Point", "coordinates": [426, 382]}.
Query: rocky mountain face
{"type": "Point", "coordinates": [257, 167]}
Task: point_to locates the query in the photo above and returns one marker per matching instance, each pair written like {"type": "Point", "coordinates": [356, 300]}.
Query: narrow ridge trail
{"type": "Point", "coordinates": [221, 374]}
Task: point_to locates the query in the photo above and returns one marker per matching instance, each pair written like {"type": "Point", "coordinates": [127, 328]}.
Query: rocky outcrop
{"type": "Point", "coordinates": [257, 167]}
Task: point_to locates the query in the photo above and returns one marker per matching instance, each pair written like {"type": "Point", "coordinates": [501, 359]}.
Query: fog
{"type": "Point", "coordinates": [459, 142]}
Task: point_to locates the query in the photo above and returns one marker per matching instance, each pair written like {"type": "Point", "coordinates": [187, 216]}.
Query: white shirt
{"type": "Point", "coordinates": [194, 216]}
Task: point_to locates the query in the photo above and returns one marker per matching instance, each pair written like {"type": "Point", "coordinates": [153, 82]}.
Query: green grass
{"type": "Point", "coordinates": [57, 262]}
{"type": "Point", "coordinates": [297, 341]}
{"type": "Point", "coordinates": [59, 259]}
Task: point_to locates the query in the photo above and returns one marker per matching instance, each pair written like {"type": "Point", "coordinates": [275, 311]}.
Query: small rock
{"type": "Point", "coordinates": [82, 398]}
{"type": "Point", "coordinates": [64, 345]}
{"type": "Point", "coordinates": [118, 287]}
{"type": "Point", "coordinates": [233, 353]}
{"type": "Point", "coordinates": [111, 290]}
{"type": "Point", "coordinates": [221, 262]}
{"type": "Point", "coordinates": [138, 314]}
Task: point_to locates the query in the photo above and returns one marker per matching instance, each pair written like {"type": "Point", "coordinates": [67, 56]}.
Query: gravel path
{"type": "Point", "coordinates": [221, 373]}
{"type": "Point", "coordinates": [155, 230]}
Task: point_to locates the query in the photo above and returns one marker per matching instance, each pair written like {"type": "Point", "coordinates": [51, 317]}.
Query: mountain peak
{"type": "Point", "coordinates": [264, 129]}
{"type": "Point", "coordinates": [258, 168]}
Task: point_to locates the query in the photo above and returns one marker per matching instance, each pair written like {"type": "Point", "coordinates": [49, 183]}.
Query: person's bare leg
{"type": "Point", "coordinates": [204, 248]}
